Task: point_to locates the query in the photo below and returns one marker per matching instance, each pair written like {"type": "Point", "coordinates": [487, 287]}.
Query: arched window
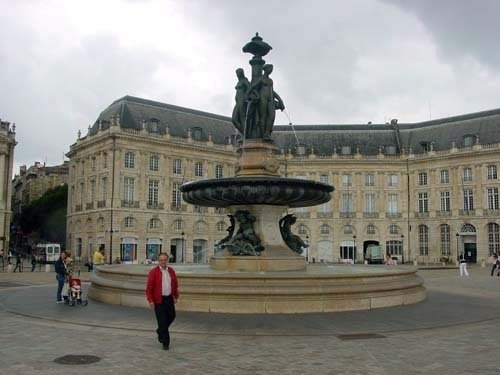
{"type": "Point", "coordinates": [370, 229]}
{"type": "Point", "coordinates": [445, 239]}
{"type": "Point", "coordinates": [325, 229]}
{"type": "Point", "coordinates": [178, 224]}
{"type": "Point", "coordinates": [393, 229]}
{"type": "Point", "coordinates": [302, 229]}
{"type": "Point", "coordinates": [100, 224]}
{"type": "Point", "coordinates": [200, 226]}
{"type": "Point", "coordinates": [348, 229]}
{"type": "Point", "coordinates": [493, 238]}
{"type": "Point", "coordinates": [468, 228]}
{"type": "Point", "coordinates": [129, 222]}
{"type": "Point", "coordinates": [154, 223]}
{"type": "Point", "coordinates": [221, 226]}
{"type": "Point", "coordinates": [423, 238]}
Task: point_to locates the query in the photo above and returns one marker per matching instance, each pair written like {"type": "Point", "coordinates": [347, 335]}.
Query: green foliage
{"type": "Point", "coordinates": [47, 215]}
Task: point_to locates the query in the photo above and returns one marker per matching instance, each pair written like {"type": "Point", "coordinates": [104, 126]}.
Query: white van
{"type": "Point", "coordinates": [48, 252]}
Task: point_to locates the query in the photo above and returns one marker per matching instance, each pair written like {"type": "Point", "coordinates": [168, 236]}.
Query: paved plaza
{"type": "Point", "coordinates": [455, 331]}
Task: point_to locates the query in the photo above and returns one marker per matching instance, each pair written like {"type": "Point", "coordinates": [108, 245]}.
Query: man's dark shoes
{"type": "Point", "coordinates": [165, 347]}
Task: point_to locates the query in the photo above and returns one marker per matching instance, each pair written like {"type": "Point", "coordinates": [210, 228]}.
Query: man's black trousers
{"type": "Point", "coordinates": [165, 315]}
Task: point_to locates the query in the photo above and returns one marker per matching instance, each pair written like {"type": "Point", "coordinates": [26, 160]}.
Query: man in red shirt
{"type": "Point", "coordinates": [162, 293]}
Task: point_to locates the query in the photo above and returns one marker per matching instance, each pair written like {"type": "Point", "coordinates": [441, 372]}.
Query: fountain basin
{"type": "Point", "coordinates": [275, 191]}
{"type": "Point", "coordinates": [320, 288]}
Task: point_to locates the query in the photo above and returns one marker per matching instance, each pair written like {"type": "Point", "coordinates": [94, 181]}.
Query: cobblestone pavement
{"type": "Point", "coordinates": [455, 331]}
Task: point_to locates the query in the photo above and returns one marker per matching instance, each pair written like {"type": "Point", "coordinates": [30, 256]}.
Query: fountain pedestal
{"type": "Point", "coordinates": [257, 159]}
{"type": "Point", "coordinates": [276, 257]}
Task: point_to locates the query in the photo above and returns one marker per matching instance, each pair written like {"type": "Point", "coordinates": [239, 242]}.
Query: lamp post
{"type": "Point", "coordinates": [402, 249]}
{"type": "Point", "coordinates": [182, 247]}
{"type": "Point", "coordinates": [458, 236]}
{"type": "Point", "coordinates": [354, 250]}
{"type": "Point", "coordinates": [307, 249]}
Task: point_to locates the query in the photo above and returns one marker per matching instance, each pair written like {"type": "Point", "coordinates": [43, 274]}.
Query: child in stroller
{"type": "Point", "coordinates": [75, 292]}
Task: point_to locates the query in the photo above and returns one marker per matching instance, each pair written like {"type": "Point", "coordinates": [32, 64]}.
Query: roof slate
{"type": "Point", "coordinates": [134, 112]}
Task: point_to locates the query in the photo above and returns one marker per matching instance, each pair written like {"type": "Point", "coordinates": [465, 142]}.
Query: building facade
{"type": "Point", "coordinates": [31, 183]}
{"type": "Point", "coordinates": [7, 144]}
{"type": "Point", "coordinates": [424, 191]}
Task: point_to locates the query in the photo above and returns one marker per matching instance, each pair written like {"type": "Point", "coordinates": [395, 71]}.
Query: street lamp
{"type": "Point", "coordinates": [402, 249]}
{"type": "Point", "coordinates": [354, 250]}
{"type": "Point", "coordinates": [307, 249]}
{"type": "Point", "coordinates": [182, 247]}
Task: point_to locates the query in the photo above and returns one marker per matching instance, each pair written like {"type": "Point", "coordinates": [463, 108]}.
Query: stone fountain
{"type": "Point", "coordinates": [258, 267]}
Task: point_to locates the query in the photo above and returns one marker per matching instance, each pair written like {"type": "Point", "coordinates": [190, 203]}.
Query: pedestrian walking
{"type": "Point", "coordinates": [19, 263]}
{"type": "Point", "coordinates": [162, 293]}
{"type": "Point", "coordinates": [60, 268]}
{"type": "Point", "coordinates": [463, 267]}
{"type": "Point", "coordinates": [496, 264]}
{"type": "Point", "coordinates": [33, 263]}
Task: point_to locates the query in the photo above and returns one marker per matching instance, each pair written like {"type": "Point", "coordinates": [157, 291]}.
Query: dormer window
{"type": "Point", "coordinates": [426, 146]}
{"type": "Point", "coordinates": [154, 125]}
{"type": "Point", "coordinates": [390, 150]}
{"type": "Point", "coordinates": [469, 140]}
{"type": "Point", "coordinates": [197, 134]}
{"type": "Point", "coordinates": [345, 150]}
{"type": "Point", "coordinates": [301, 150]}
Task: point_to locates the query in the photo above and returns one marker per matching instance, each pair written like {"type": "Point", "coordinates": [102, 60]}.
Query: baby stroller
{"type": "Point", "coordinates": [75, 294]}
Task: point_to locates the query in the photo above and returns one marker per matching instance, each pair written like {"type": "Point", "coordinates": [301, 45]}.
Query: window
{"type": "Point", "coordinates": [105, 160]}
{"type": "Point", "coordinates": [445, 176]}
{"type": "Point", "coordinates": [369, 180]}
{"type": "Point", "coordinates": [348, 229]}
{"type": "Point", "coordinates": [345, 150]}
{"type": "Point", "coordinates": [347, 202]}
{"type": "Point", "coordinates": [492, 172]}
{"type": "Point", "coordinates": [423, 202]}
{"type": "Point", "coordinates": [393, 229]}
{"type": "Point", "coordinates": [392, 204]}
{"type": "Point", "coordinates": [370, 229]}
{"type": "Point", "coordinates": [178, 224]}
{"type": "Point", "coordinates": [177, 166]}
{"type": "Point", "coordinates": [176, 194]}
{"type": "Point", "coordinates": [325, 229]}
{"type": "Point", "coordinates": [218, 171]}
{"type": "Point", "coordinates": [469, 140]}
{"type": "Point", "coordinates": [325, 207]}
{"type": "Point", "coordinates": [154, 163]}
{"type": "Point", "coordinates": [445, 240]}
{"type": "Point", "coordinates": [153, 125]}
{"type": "Point", "coordinates": [198, 169]}
{"type": "Point", "coordinates": [104, 188]}
{"type": "Point", "coordinates": [153, 192]}
{"type": "Point", "coordinates": [390, 150]}
{"type": "Point", "coordinates": [422, 178]}
{"type": "Point", "coordinates": [200, 226]}
{"type": "Point", "coordinates": [467, 174]}
{"type": "Point", "coordinates": [392, 180]}
{"type": "Point", "coordinates": [129, 160]}
{"type": "Point", "coordinates": [221, 226]}
{"type": "Point", "coordinates": [92, 191]}
{"type": "Point", "coordinates": [493, 238]}
{"type": "Point", "coordinates": [346, 180]}
{"type": "Point", "coordinates": [426, 146]}
{"type": "Point", "coordinates": [423, 238]}
{"type": "Point", "coordinates": [82, 193]}
{"type": "Point", "coordinates": [301, 150]}
{"type": "Point", "coordinates": [129, 222]}
{"type": "Point", "coordinates": [468, 199]}
{"type": "Point", "coordinates": [197, 134]}
{"type": "Point", "coordinates": [128, 189]}
{"type": "Point", "coordinates": [394, 247]}
{"type": "Point", "coordinates": [94, 164]}
{"type": "Point", "coordinates": [323, 179]}
{"type": "Point", "coordinates": [82, 171]}
{"type": "Point", "coordinates": [154, 223]}
{"type": "Point", "coordinates": [493, 198]}
{"type": "Point", "coordinates": [302, 230]}
{"type": "Point", "coordinates": [445, 201]}
{"type": "Point", "coordinates": [370, 204]}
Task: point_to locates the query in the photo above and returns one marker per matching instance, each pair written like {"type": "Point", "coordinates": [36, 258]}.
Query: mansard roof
{"type": "Point", "coordinates": [136, 113]}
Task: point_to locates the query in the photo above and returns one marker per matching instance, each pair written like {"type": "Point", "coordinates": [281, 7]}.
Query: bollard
{"type": "Point", "coordinates": [483, 263]}
{"type": "Point", "coordinates": [47, 268]}
{"type": "Point", "coordinates": [415, 263]}
{"type": "Point", "coordinates": [9, 268]}
{"type": "Point", "coordinates": [366, 262]}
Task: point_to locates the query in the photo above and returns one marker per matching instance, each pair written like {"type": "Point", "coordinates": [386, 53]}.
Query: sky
{"type": "Point", "coordinates": [335, 62]}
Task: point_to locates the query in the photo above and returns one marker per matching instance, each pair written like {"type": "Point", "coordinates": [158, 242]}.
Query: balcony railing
{"type": "Point", "coordinates": [370, 215]}
{"type": "Point", "coordinates": [347, 215]}
{"type": "Point", "coordinates": [130, 204]}
{"type": "Point", "coordinates": [155, 206]}
{"type": "Point", "coordinates": [489, 212]}
{"type": "Point", "coordinates": [220, 210]}
{"type": "Point", "coordinates": [302, 215]}
{"type": "Point", "coordinates": [443, 213]}
{"type": "Point", "coordinates": [467, 212]}
{"type": "Point", "coordinates": [393, 215]}
{"type": "Point", "coordinates": [200, 209]}
{"type": "Point", "coordinates": [101, 204]}
{"type": "Point", "coordinates": [178, 207]}
{"type": "Point", "coordinates": [422, 215]}
{"type": "Point", "coordinates": [324, 215]}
